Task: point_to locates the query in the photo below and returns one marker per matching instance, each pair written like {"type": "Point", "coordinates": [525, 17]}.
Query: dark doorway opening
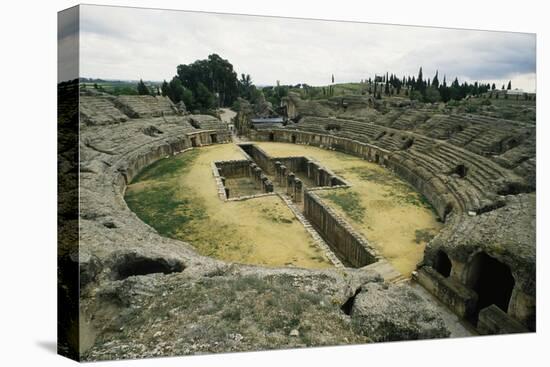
{"type": "Point", "coordinates": [132, 264]}
{"type": "Point", "coordinates": [448, 210]}
{"type": "Point", "coordinates": [514, 188]}
{"type": "Point", "coordinates": [293, 139]}
{"type": "Point", "coordinates": [407, 144]}
{"type": "Point", "coordinates": [376, 158]}
{"type": "Point", "coordinates": [443, 264]}
{"type": "Point", "coordinates": [213, 138]}
{"type": "Point", "coordinates": [194, 142]}
{"type": "Point", "coordinates": [348, 305]}
{"type": "Point", "coordinates": [492, 281]}
{"type": "Point", "coordinates": [461, 170]}
{"type": "Point", "coordinates": [271, 137]}
{"type": "Point", "coordinates": [380, 136]}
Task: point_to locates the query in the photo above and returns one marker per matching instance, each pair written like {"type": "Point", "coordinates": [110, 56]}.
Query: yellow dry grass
{"type": "Point", "coordinates": [259, 231]}
{"type": "Point", "coordinates": [384, 209]}
{"type": "Point", "coordinates": [394, 216]}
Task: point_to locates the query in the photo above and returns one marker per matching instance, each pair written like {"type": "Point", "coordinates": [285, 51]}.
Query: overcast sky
{"type": "Point", "coordinates": [128, 43]}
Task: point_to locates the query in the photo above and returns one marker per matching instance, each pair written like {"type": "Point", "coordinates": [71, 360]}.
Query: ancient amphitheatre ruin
{"type": "Point", "coordinates": [354, 220]}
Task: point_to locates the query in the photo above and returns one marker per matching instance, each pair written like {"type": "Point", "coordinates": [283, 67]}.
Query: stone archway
{"type": "Point", "coordinates": [492, 280]}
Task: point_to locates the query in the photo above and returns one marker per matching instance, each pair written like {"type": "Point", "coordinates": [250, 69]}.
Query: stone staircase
{"type": "Point", "coordinates": [388, 272]}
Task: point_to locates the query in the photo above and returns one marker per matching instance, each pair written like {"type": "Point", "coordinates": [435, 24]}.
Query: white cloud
{"type": "Point", "coordinates": [128, 43]}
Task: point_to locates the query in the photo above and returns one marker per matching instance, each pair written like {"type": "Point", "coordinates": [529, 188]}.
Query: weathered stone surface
{"type": "Point", "coordinates": [152, 296]}
{"type": "Point", "coordinates": [207, 309]}
{"type": "Point", "coordinates": [397, 312]}
{"type": "Point", "coordinates": [148, 295]}
{"type": "Point", "coordinates": [492, 320]}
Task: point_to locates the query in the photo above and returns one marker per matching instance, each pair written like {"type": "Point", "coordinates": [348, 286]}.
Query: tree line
{"type": "Point", "coordinates": [428, 90]}
{"type": "Point", "coordinates": [211, 83]}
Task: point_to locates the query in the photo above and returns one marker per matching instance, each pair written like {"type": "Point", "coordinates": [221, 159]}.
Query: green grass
{"type": "Point", "coordinates": [349, 202]}
{"type": "Point", "coordinates": [159, 208]}
{"type": "Point", "coordinates": [158, 205]}
{"type": "Point", "coordinates": [164, 169]}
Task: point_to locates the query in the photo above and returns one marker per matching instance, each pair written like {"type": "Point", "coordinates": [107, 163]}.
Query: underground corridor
{"type": "Point", "coordinates": [492, 281]}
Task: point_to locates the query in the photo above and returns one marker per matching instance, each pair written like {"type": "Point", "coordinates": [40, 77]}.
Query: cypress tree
{"type": "Point", "coordinates": [165, 88]}
{"type": "Point", "coordinates": [142, 88]}
{"type": "Point", "coordinates": [419, 81]}
{"type": "Point", "coordinates": [435, 81]}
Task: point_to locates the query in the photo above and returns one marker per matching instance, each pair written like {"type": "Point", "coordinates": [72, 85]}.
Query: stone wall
{"type": "Point", "coordinates": [260, 157]}
{"type": "Point", "coordinates": [348, 245]}
{"type": "Point", "coordinates": [459, 298]}
{"type": "Point", "coordinates": [175, 146]}
{"type": "Point", "coordinates": [492, 320]}
{"type": "Point", "coordinates": [237, 169]}
{"type": "Point", "coordinates": [234, 168]}
{"type": "Point", "coordinates": [432, 188]}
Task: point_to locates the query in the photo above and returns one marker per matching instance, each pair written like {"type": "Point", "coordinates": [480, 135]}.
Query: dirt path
{"type": "Point", "coordinates": [227, 114]}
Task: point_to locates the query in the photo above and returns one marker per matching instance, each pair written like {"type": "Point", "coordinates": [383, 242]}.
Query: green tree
{"type": "Point", "coordinates": [245, 86]}
{"type": "Point", "coordinates": [165, 88]}
{"type": "Point", "coordinates": [509, 85]}
{"type": "Point", "coordinates": [435, 81]}
{"type": "Point", "coordinates": [420, 84]}
{"type": "Point", "coordinates": [215, 74]}
{"type": "Point", "coordinates": [142, 88]}
{"type": "Point", "coordinates": [432, 95]}
{"type": "Point", "coordinates": [204, 98]}
{"type": "Point", "coordinates": [416, 95]}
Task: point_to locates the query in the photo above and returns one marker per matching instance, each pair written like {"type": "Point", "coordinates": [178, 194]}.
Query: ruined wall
{"type": "Point", "coordinates": [233, 168]}
{"type": "Point", "coordinates": [223, 170]}
{"type": "Point", "coordinates": [454, 294]}
{"type": "Point", "coordinates": [344, 145]}
{"type": "Point", "coordinates": [294, 164]}
{"type": "Point", "coordinates": [260, 157]}
{"type": "Point", "coordinates": [349, 246]}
